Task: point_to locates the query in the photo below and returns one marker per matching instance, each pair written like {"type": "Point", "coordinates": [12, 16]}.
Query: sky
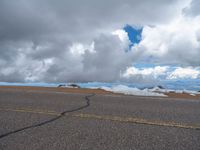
{"type": "Point", "coordinates": [104, 41]}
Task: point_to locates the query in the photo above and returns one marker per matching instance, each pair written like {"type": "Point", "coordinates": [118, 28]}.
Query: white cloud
{"type": "Point", "coordinates": [183, 73]}
{"type": "Point", "coordinates": [176, 43]}
{"type": "Point", "coordinates": [161, 72]}
{"type": "Point", "coordinates": [123, 36]}
{"type": "Point", "coordinates": [79, 49]}
{"type": "Point", "coordinates": [154, 72]}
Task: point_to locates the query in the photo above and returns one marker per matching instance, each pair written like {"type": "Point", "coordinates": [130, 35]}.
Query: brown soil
{"type": "Point", "coordinates": [182, 95]}
{"type": "Point", "coordinates": [56, 89]}
{"type": "Point", "coordinates": [88, 91]}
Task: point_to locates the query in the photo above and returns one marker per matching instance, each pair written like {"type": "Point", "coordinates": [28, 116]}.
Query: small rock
{"type": "Point", "coordinates": [61, 85]}
{"type": "Point", "coordinates": [73, 85]}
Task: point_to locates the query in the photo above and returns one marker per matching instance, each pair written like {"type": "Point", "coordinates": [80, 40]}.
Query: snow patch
{"type": "Point", "coordinates": [190, 92]}
{"type": "Point", "coordinates": [132, 91]}
{"type": "Point", "coordinates": [156, 91]}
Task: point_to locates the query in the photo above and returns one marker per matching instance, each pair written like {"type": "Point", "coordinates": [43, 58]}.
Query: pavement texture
{"type": "Point", "coordinates": [45, 120]}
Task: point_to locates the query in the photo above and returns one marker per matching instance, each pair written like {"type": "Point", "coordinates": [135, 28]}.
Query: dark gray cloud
{"type": "Point", "coordinates": [35, 19]}
{"type": "Point", "coordinates": [40, 40]}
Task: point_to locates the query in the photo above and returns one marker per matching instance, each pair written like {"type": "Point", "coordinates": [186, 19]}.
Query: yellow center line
{"type": "Point", "coordinates": [134, 120]}
{"type": "Point", "coordinates": [27, 110]}
{"type": "Point", "coordinates": [138, 121]}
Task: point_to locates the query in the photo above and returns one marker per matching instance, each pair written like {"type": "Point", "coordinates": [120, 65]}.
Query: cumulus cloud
{"type": "Point", "coordinates": [123, 36]}
{"type": "Point", "coordinates": [144, 75]}
{"type": "Point", "coordinates": [174, 43]}
{"type": "Point", "coordinates": [184, 73]}
{"type": "Point", "coordinates": [51, 41]}
{"type": "Point", "coordinates": [153, 72]}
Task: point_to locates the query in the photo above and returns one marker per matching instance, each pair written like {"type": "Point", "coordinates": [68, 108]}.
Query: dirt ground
{"type": "Point", "coordinates": [88, 91]}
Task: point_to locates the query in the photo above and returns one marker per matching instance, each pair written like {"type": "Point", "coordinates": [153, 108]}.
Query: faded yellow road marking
{"type": "Point", "coordinates": [137, 121]}
{"type": "Point", "coordinates": [110, 118]}
{"type": "Point", "coordinates": [35, 111]}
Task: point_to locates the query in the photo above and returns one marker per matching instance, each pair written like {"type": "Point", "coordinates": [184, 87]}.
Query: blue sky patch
{"type": "Point", "coordinates": [133, 34]}
{"type": "Point", "coordinates": [144, 65]}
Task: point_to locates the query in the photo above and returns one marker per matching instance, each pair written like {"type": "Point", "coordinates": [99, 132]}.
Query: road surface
{"type": "Point", "coordinates": [45, 120]}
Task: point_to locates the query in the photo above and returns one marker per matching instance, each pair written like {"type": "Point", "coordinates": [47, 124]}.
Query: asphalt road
{"type": "Point", "coordinates": [32, 120]}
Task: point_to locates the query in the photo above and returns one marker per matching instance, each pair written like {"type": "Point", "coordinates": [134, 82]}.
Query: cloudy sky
{"type": "Point", "coordinates": [99, 40]}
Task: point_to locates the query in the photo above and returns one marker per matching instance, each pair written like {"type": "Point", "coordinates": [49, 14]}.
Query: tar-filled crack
{"type": "Point", "coordinates": [87, 98]}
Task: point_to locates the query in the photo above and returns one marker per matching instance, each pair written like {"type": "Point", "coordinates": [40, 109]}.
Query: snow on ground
{"type": "Point", "coordinates": [132, 91]}
{"type": "Point", "coordinates": [156, 91]}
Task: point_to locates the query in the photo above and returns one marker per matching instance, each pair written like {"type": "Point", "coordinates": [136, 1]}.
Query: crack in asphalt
{"type": "Point", "coordinates": [129, 119]}
{"type": "Point", "coordinates": [62, 114]}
